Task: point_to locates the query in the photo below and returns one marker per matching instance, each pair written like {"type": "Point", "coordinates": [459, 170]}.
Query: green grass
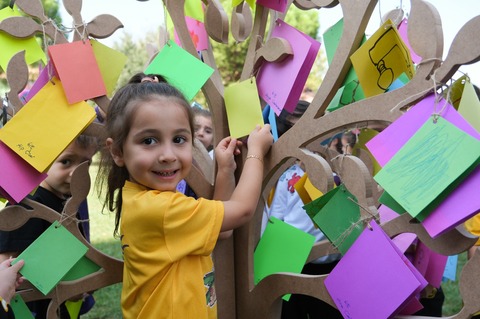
{"type": "Point", "coordinates": [107, 304]}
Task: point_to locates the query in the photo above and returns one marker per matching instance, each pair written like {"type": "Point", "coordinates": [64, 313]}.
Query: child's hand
{"type": "Point", "coordinates": [225, 151]}
{"type": "Point", "coordinates": [260, 140]}
{"type": "Point", "coordinates": [9, 279]}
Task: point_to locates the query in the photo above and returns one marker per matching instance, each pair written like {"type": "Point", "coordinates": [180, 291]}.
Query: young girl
{"type": "Point", "coordinates": [167, 237]}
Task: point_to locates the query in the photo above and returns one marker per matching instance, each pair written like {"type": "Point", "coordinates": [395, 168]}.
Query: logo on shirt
{"type": "Point", "coordinates": [208, 281]}
{"type": "Point", "coordinates": [292, 181]}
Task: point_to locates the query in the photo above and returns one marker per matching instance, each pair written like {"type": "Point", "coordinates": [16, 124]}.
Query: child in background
{"type": "Point", "coordinates": [52, 192]}
{"type": "Point", "coordinates": [287, 206]}
{"type": "Point", "coordinates": [10, 280]}
{"type": "Point", "coordinates": [167, 238]}
{"type": "Point", "coordinates": [203, 127]}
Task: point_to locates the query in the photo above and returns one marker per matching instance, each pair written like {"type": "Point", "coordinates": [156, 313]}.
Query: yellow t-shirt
{"type": "Point", "coordinates": [473, 226]}
{"type": "Point", "coordinates": [167, 241]}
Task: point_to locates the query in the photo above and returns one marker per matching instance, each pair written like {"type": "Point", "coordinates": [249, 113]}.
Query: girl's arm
{"type": "Point", "coordinates": [240, 207]}
{"type": "Point", "coordinates": [225, 178]}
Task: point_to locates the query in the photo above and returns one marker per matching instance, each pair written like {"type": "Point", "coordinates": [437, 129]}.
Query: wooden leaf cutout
{"type": "Point", "coordinates": [242, 22]}
{"type": "Point", "coordinates": [274, 50]}
{"type": "Point", "coordinates": [464, 49]}
{"type": "Point", "coordinates": [425, 30]}
{"type": "Point", "coordinates": [103, 26]}
{"type": "Point", "coordinates": [312, 4]}
{"type": "Point", "coordinates": [80, 186]}
{"type": "Point", "coordinates": [73, 7]}
{"type": "Point", "coordinates": [17, 77]}
{"type": "Point", "coordinates": [468, 286]}
{"type": "Point", "coordinates": [20, 27]}
{"type": "Point", "coordinates": [33, 8]}
{"type": "Point", "coordinates": [216, 22]}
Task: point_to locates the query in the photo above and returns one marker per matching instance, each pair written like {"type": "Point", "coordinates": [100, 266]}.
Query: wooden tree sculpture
{"type": "Point", "coordinates": [238, 296]}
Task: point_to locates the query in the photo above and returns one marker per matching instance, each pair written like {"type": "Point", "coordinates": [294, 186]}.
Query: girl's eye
{"type": "Point", "coordinates": [65, 162]}
{"type": "Point", "coordinates": [149, 141]}
{"type": "Point", "coordinates": [179, 139]}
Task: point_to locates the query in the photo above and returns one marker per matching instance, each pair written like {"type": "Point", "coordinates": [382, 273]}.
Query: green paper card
{"type": "Point", "coordinates": [73, 308]}
{"type": "Point", "coordinates": [244, 111]}
{"type": "Point", "coordinates": [181, 69]}
{"type": "Point", "coordinates": [337, 214]}
{"type": "Point", "coordinates": [469, 106]}
{"type": "Point", "coordinates": [82, 268]}
{"type": "Point", "coordinates": [20, 309]}
{"type": "Point", "coordinates": [429, 166]}
{"type": "Point", "coordinates": [11, 45]}
{"type": "Point", "coordinates": [282, 248]}
{"type": "Point", "coordinates": [50, 257]}
{"type": "Point", "coordinates": [388, 201]}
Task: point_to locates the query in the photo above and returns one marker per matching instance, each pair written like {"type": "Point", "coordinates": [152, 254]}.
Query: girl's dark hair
{"type": "Point", "coordinates": [118, 122]}
{"type": "Point", "coordinates": [286, 120]}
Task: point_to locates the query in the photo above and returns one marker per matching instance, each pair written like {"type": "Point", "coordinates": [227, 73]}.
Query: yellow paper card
{"type": "Point", "coordinates": [306, 190]}
{"type": "Point", "coordinates": [12, 45]}
{"type": "Point", "coordinates": [381, 60]}
{"type": "Point", "coordinates": [193, 9]}
{"type": "Point", "coordinates": [46, 125]}
{"type": "Point", "coordinates": [469, 106]}
{"type": "Point", "coordinates": [455, 91]}
{"type": "Point", "coordinates": [110, 62]}
{"type": "Point", "coordinates": [242, 104]}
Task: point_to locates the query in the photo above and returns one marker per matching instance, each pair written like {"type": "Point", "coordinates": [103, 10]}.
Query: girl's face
{"type": "Point", "coordinates": [158, 149]}
{"type": "Point", "coordinates": [204, 130]}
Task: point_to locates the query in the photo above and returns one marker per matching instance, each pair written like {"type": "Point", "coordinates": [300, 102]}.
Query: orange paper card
{"type": "Point", "coordinates": [78, 70]}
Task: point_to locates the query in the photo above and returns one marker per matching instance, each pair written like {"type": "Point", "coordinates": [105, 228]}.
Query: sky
{"type": "Point", "coordinates": [140, 17]}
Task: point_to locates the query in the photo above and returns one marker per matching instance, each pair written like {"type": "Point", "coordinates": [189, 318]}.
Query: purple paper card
{"type": "Point", "coordinates": [402, 29]}
{"type": "Point", "coordinates": [463, 202]}
{"type": "Point", "coordinates": [362, 285]}
{"type": "Point", "coordinates": [277, 5]}
{"type": "Point", "coordinates": [18, 177]}
{"type": "Point", "coordinates": [47, 73]}
{"type": "Point", "coordinates": [281, 84]}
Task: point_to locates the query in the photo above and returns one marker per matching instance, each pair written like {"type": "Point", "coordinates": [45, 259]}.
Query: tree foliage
{"type": "Point", "coordinates": [51, 8]}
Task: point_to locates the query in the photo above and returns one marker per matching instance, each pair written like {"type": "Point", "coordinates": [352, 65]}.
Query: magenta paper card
{"type": "Point", "coordinates": [402, 29]}
{"type": "Point", "coordinates": [463, 202]}
{"type": "Point", "coordinates": [277, 5]}
{"type": "Point", "coordinates": [47, 73]}
{"type": "Point", "coordinates": [362, 285]}
{"type": "Point", "coordinates": [281, 84]}
{"type": "Point", "coordinates": [430, 264]}
{"type": "Point", "coordinates": [198, 34]}
{"type": "Point", "coordinates": [18, 177]}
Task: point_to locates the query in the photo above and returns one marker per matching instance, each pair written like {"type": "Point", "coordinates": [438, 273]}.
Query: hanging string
{"type": "Point", "coordinates": [83, 33]}
{"type": "Point", "coordinates": [422, 92]}
{"type": "Point", "coordinates": [438, 113]}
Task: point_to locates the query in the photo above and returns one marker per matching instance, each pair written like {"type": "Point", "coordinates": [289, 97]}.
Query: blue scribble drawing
{"type": "Point", "coordinates": [423, 172]}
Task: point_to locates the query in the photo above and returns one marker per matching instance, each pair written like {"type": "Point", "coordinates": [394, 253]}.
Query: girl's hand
{"type": "Point", "coordinates": [260, 140]}
{"type": "Point", "coordinates": [225, 152]}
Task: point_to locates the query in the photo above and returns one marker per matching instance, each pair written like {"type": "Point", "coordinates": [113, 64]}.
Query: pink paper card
{"type": "Point", "coordinates": [277, 5]}
{"type": "Point", "coordinates": [430, 264]}
{"type": "Point", "coordinates": [78, 70]}
{"type": "Point", "coordinates": [402, 29]}
{"type": "Point", "coordinates": [463, 202]}
{"type": "Point", "coordinates": [18, 177]}
{"type": "Point", "coordinates": [198, 34]}
{"type": "Point", "coordinates": [281, 84]}
{"type": "Point", "coordinates": [47, 73]}
{"type": "Point", "coordinates": [362, 285]}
